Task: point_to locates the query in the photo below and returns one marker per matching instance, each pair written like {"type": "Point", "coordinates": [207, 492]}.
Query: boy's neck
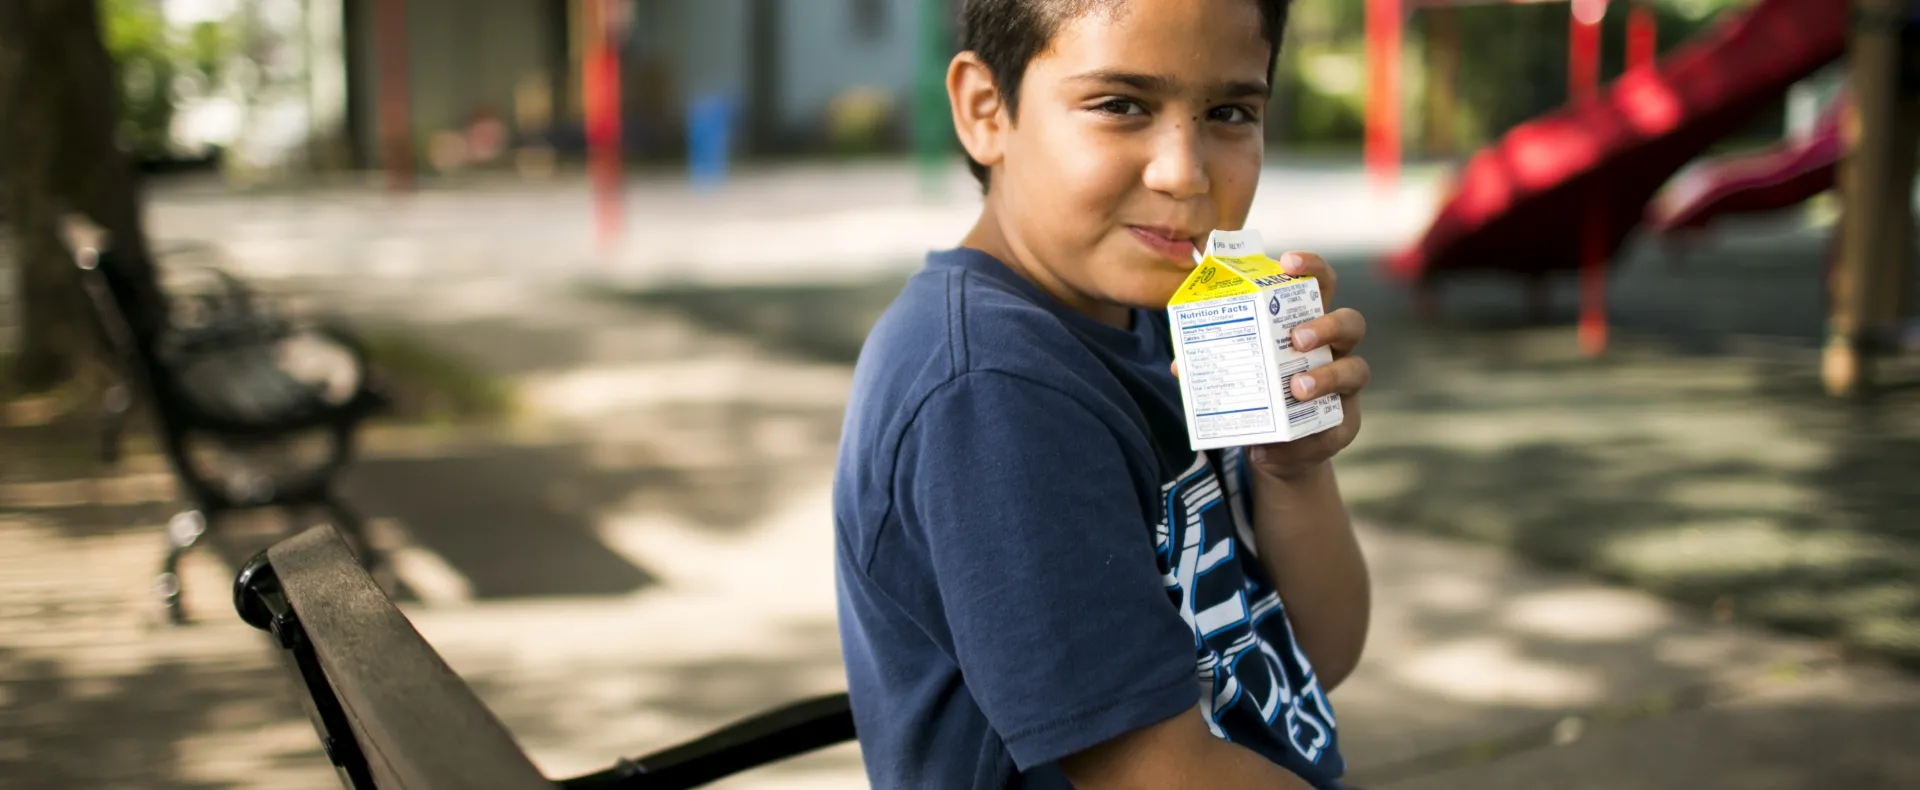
{"type": "Point", "coordinates": [989, 237]}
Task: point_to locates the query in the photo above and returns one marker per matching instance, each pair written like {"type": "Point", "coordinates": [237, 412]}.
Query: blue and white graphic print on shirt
{"type": "Point", "coordinates": [1251, 692]}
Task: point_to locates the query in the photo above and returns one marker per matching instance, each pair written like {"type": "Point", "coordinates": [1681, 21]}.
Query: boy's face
{"type": "Point", "coordinates": [1138, 132]}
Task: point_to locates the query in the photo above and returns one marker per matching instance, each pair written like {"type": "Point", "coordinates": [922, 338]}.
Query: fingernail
{"type": "Point", "coordinates": [1257, 454]}
{"type": "Point", "coordinates": [1304, 339]}
{"type": "Point", "coordinates": [1291, 262]}
{"type": "Point", "coordinates": [1304, 383]}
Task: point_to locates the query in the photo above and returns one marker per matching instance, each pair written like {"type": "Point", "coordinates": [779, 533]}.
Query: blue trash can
{"type": "Point", "coordinates": [710, 120]}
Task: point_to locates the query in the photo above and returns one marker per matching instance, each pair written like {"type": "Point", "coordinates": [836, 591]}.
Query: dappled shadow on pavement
{"type": "Point", "coordinates": [173, 724]}
{"type": "Point", "coordinates": [527, 518]}
{"type": "Point", "coordinates": [595, 513]}
{"type": "Point", "coordinates": [1476, 658]}
{"type": "Point", "coordinates": [1829, 729]}
{"type": "Point", "coordinates": [93, 694]}
{"type": "Point", "coordinates": [1698, 458]}
{"type": "Point", "coordinates": [825, 321]}
{"type": "Point", "coordinates": [578, 716]}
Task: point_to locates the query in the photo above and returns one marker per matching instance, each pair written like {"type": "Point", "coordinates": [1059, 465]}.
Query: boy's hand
{"type": "Point", "coordinates": [1341, 330]}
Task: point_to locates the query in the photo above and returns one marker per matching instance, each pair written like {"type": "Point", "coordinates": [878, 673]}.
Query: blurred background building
{"type": "Point", "coordinates": [292, 86]}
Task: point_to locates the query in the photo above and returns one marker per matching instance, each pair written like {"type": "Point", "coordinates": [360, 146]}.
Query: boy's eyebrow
{"type": "Point", "coordinates": [1154, 83]}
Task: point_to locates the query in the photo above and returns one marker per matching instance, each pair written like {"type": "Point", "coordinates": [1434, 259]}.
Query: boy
{"type": "Point", "coordinates": [1039, 584]}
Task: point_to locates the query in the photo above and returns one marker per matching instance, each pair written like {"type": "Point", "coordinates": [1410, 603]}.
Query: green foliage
{"type": "Point", "coordinates": [1323, 117]}
{"type": "Point", "coordinates": [1694, 10]}
{"type": "Point", "coordinates": [432, 385]}
{"type": "Point", "coordinates": [1512, 65]}
{"type": "Point", "coordinates": [1320, 79]}
{"type": "Point", "coordinates": [153, 59]}
{"type": "Point", "coordinates": [207, 45]}
{"type": "Point", "coordinates": [136, 38]}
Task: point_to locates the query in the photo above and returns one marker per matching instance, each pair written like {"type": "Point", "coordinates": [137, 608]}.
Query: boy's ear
{"type": "Point", "coordinates": [979, 116]}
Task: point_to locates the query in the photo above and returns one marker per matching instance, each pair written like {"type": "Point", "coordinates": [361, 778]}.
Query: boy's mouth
{"type": "Point", "coordinates": [1169, 243]}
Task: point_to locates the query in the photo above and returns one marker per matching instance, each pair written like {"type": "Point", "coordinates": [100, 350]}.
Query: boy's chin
{"type": "Point", "coordinates": [1149, 293]}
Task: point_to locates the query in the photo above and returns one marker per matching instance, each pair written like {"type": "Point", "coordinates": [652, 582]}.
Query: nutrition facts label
{"type": "Point", "coordinates": [1226, 376]}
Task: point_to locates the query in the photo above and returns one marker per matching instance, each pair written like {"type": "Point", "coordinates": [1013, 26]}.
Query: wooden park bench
{"type": "Point", "coordinates": [391, 714]}
{"type": "Point", "coordinates": [220, 383]}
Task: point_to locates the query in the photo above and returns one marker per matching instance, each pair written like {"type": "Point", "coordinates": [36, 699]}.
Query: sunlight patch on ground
{"type": "Point", "coordinates": [1452, 593]}
{"type": "Point", "coordinates": [264, 753]}
{"type": "Point", "coordinates": [132, 489]}
{"type": "Point", "coordinates": [593, 392]}
{"type": "Point", "coordinates": [91, 638]}
{"type": "Point", "coordinates": [1492, 670]}
{"type": "Point", "coordinates": [1586, 615]}
{"type": "Point", "coordinates": [1735, 547]}
{"type": "Point", "coordinates": [427, 574]}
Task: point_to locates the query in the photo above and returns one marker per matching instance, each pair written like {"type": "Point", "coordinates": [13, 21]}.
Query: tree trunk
{"type": "Point", "coordinates": [58, 154]}
{"type": "Point", "coordinates": [764, 85]}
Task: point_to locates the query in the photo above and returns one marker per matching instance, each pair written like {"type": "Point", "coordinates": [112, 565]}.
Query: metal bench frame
{"type": "Point", "coordinates": [391, 714]}
{"type": "Point", "coordinates": [235, 320]}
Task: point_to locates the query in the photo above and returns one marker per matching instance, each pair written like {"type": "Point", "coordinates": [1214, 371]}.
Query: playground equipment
{"type": "Point", "coordinates": [1385, 27]}
{"type": "Point", "coordinates": [1562, 192]}
{"type": "Point", "coordinates": [1777, 177]}
{"type": "Point", "coordinates": [608, 19]}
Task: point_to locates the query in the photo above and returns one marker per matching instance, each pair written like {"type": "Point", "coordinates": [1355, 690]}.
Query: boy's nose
{"type": "Point", "coordinates": [1177, 169]}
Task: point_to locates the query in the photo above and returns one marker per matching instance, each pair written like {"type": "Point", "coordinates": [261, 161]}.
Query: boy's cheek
{"type": "Point", "coordinates": [1234, 189]}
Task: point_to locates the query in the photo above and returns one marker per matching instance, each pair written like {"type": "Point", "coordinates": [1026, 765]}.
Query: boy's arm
{"type": "Point", "coordinates": [1176, 754]}
{"type": "Point", "coordinates": [1039, 565]}
{"type": "Point", "coordinates": [1307, 546]}
{"type": "Point", "coordinates": [1306, 543]}
{"type": "Point", "coordinates": [1300, 524]}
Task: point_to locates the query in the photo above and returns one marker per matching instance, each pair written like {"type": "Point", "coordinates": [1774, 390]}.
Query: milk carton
{"type": "Point", "coordinates": [1231, 321]}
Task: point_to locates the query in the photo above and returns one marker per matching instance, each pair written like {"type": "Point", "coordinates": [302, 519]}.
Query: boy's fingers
{"type": "Point", "coordinates": [1341, 329]}
{"type": "Point", "coordinates": [1176, 368]}
{"type": "Point", "coordinates": [1311, 265]}
{"type": "Point", "coordinates": [1346, 376]}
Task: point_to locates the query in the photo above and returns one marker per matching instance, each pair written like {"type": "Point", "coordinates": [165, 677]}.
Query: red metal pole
{"type": "Point", "coordinates": [1642, 37]}
{"type": "Point", "coordinates": [396, 123]}
{"type": "Point", "coordinates": [1583, 47]}
{"type": "Point", "coordinates": [1583, 79]}
{"type": "Point", "coordinates": [1383, 91]}
{"type": "Point", "coordinates": [602, 86]}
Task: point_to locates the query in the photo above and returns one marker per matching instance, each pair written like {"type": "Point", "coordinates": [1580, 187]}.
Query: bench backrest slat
{"type": "Point", "coordinates": [421, 726]}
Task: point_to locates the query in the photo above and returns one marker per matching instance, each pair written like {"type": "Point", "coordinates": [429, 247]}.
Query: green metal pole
{"type": "Point", "coordinates": [932, 121]}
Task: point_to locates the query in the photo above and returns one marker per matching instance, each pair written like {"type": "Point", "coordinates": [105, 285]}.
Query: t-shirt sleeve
{"type": "Point", "coordinates": [1037, 531]}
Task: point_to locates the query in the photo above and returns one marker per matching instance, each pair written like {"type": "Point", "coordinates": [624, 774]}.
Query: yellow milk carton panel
{"type": "Point", "coordinates": [1232, 322]}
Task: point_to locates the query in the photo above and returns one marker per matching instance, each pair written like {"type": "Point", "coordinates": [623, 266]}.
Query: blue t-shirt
{"type": "Point", "coordinates": [1031, 562]}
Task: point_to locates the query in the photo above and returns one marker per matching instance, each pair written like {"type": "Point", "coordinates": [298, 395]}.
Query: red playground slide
{"type": "Point", "coordinates": [1522, 204]}
{"type": "Point", "coordinates": [1782, 175]}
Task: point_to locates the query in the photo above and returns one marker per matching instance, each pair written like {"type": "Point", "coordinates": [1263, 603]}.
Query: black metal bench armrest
{"type": "Point", "coordinates": [415, 723]}
{"type": "Point", "coordinates": [393, 715]}
{"type": "Point", "coordinates": [767, 738]}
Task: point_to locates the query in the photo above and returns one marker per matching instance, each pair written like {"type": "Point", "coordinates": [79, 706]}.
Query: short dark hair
{"type": "Point", "coordinates": [1008, 34]}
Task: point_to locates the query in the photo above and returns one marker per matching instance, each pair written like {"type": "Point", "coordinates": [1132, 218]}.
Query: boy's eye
{"type": "Point", "coordinates": [1232, 113]}
{"type": "Point", "coordinates": [1121, 107]}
